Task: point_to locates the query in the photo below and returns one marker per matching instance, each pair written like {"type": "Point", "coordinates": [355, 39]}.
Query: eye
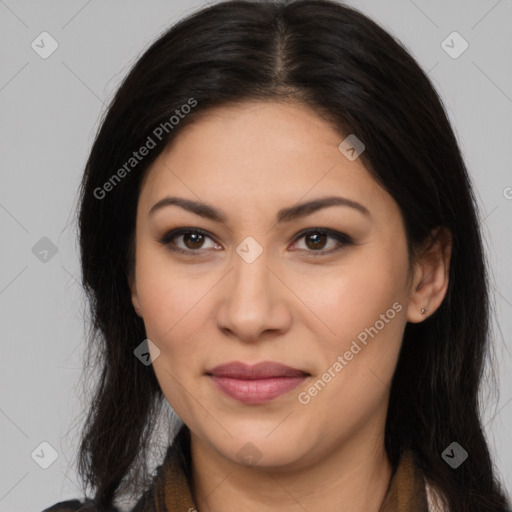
{"type": "Point", "coordinates": [193, 239]}
{"type": "Point", "coordinates": [315, 240]}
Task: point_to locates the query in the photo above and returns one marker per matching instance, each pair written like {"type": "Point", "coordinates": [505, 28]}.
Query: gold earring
{"type": "Point", "coordinates": [424, 310]}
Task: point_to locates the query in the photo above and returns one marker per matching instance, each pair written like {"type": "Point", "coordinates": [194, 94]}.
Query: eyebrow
{"type": "Point", "coordinates": [284, 215]}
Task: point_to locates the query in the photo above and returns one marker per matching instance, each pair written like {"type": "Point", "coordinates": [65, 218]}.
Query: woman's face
{"type": "Point", "coordinates": [253, 287]}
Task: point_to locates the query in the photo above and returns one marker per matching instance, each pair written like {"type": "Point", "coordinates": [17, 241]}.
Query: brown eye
{"type": "Point", "coordinates": [316, 240]}
{"type": "Point", "coordinates": [187, 240]}
{"type": "Point", "coordinates": [193, 240]}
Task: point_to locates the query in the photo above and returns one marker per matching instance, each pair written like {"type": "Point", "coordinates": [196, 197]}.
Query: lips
{"type": "Point", "coordinates": [263, 370]}
{"type": "Point", "coordinates": [255, 384]}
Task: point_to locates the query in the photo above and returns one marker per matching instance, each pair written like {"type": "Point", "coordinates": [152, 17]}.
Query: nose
{"type": "Point", "coordinates": [254, 302]}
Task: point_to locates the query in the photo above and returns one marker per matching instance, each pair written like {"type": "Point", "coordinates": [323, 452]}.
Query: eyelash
{"type": "Point", "coordinates": [342, 239]}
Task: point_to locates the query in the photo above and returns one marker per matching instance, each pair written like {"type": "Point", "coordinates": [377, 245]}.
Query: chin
{"type": "Point", "coordinates": [254, 447]}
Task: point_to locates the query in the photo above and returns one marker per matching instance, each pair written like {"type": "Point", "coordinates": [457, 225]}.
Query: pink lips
{"type": "Point", "coordinates": [258, 383]}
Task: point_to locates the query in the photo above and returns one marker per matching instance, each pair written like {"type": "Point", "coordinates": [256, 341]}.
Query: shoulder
{"type": "Point", "coordinates": [77, 506]}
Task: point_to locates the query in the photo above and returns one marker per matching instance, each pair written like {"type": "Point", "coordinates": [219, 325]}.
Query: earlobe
{"type": "Point", "coordinates": [431, 276]}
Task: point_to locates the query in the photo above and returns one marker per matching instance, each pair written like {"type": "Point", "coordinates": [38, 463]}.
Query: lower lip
{"type": "Point", "coordinates": [256, 391]}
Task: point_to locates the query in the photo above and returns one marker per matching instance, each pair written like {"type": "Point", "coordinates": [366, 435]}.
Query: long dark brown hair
{"type": "Point", "coordinates": [355, 74]}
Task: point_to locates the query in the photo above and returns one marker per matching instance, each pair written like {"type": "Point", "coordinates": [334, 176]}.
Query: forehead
{"type": "Point", "coordinates": [259, 153]}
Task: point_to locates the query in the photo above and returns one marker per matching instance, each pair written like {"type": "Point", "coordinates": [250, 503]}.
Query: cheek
{"type": "Point", "coordinates": [366, 311]}
{"type": "Point", "coordinates": [171, 305]}
{"type": "Point", "coordinates": [353, 297]}
{"type": "Point", "coordinates": [166, 296]}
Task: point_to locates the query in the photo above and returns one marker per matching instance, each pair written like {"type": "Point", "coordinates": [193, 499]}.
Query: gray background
{"type": "Point", "coordinates": [50, 110]}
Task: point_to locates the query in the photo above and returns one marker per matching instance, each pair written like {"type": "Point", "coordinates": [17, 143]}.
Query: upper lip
{"type": "Point", "coordinates": [263, 370]}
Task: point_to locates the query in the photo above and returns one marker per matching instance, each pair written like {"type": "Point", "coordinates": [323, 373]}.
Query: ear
{"type": "Point", "coordinates": [430, 276]}
{"type": "Point", "coordinates": [134, 294]}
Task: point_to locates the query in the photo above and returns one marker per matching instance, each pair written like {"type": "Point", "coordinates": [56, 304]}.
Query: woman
{"type": "Point", "coordinates": [279, 239]}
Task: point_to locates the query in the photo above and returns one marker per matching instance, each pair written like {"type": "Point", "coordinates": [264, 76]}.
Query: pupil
{"type": "Point", "coordinates": [315, 243]}
{"type": "Point", "coordinates": [195, 244]}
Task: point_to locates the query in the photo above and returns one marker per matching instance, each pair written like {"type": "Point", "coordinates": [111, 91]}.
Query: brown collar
{"type": "Point", "coordinates": [171, 492]}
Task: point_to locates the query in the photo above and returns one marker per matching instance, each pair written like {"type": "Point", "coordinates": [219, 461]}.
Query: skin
{"type": "Point", "coordinates": [250, 160]}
